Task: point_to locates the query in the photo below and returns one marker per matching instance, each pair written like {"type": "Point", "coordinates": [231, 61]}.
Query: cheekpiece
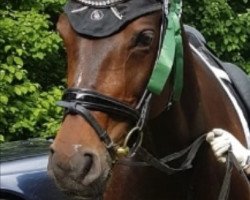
{"type": "Point", "coordinates": [101, 18]}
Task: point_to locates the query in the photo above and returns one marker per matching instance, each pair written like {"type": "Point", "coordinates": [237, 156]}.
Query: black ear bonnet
{"type": "Point", "coordinates": [101, 18]}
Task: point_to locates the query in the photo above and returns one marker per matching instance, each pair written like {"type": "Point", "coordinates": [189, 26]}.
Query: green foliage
{"type": "Point", "coordinates": [31, 69]}
{"type": "Point", "coordinates": [225, 25]}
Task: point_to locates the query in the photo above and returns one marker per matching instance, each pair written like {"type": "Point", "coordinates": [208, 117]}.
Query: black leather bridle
{"type": "Point", "coordinates": [83, 101]}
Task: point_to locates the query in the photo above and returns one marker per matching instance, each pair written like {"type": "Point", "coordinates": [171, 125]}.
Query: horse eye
{"type": "Point", "coordinates": [144, 39]}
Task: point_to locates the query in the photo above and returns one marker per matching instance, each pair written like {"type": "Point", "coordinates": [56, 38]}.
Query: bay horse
{"type": "Point", "coordinates": [111, 117]}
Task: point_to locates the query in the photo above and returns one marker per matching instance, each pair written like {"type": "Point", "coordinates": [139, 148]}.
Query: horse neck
{"type": "Point", "coordinates": [204, 105]}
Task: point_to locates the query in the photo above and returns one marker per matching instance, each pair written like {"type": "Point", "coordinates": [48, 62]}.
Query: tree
{"type": "Point", "coordinates": [31, 69]}
{"type": "Point", "coordinates": [225, 25]}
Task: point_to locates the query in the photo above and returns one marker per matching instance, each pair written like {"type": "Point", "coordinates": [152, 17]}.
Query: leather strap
{"type": "Point", "coordinates": [82, 101]}
{"type": "Point", "coordinates": [148, 159]}
{"type": "Point", "coordinates": [230, 163]}
{"type": "Point", "coordinates": [191, 151]}
{"type": "Point", "coordinates": [96, 101]}
{"type": "Point", "coordinates": [77, 108]}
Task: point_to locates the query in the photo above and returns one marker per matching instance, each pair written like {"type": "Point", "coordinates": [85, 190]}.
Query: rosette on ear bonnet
{"type": "Point", "coordinates": [101, 18]}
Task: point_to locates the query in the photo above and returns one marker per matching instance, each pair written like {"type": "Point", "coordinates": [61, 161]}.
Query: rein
{"type": "Point", "coordinates": [148, 160]}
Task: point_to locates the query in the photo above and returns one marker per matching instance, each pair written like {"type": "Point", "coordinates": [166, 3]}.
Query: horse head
{"type": "Point", "coordinates": [113, 70]}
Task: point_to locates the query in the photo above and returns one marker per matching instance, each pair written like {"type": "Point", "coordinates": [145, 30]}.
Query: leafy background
{"type": "Point", "coordinates": [32, 58]}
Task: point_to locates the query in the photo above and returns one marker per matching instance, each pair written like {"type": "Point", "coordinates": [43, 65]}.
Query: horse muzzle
{"type": "Point", "coordinates": [83, 174]}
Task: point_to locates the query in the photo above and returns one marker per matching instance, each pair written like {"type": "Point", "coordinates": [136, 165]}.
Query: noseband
{"type": "Point", "coordinates": [82, 102]}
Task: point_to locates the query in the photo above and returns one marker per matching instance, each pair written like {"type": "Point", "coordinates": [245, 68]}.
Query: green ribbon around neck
{"type": "Point", "coordinates": [171, 56]}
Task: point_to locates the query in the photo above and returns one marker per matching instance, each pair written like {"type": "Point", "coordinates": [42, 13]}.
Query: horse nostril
{"type": "Point", "coordinates": [87, 164]}
{"type": "Point", "coordinates": [52, 151]}
{"type": "Point", "coordinates": [81, 164]}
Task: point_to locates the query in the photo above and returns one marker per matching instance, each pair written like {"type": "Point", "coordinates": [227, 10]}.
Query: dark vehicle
{"type": "Point", "coordinates": [23, 172]}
